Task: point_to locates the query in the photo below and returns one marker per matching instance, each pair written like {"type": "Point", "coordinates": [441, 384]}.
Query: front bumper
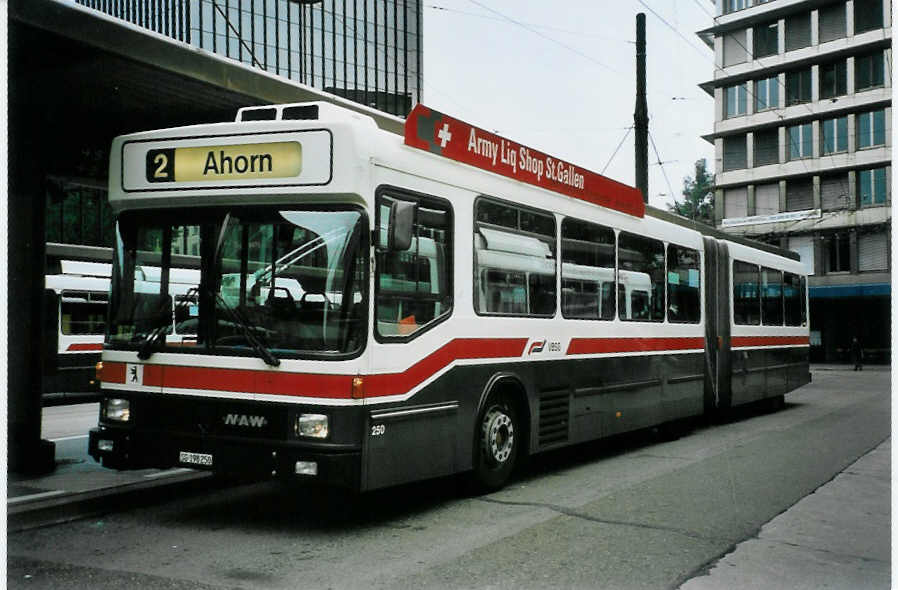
{"type": "Point", "coordinates": [129, 448]}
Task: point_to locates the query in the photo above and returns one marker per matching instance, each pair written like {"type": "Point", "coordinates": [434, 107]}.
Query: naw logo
{"type": "Point", "coordinates": [245, 420]}
{"type": "Point", "coordinates": [536, 347]}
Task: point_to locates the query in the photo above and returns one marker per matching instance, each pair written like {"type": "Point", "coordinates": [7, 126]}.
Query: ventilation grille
{"type": "Point", "coordinates": [553, 418]}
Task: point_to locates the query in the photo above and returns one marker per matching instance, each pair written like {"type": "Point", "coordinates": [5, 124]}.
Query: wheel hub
{"type": "Point", "coordinates": [498, 436]}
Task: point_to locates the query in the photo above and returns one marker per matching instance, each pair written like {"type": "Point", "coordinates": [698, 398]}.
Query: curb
{"type": "Point", "coordinates": [56, 508]}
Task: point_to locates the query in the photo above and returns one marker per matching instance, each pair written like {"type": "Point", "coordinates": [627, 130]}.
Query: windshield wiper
{"type": "Point", "coordinates": [147, 345]}
{"type": "Point", "coordinates": [264, 353]}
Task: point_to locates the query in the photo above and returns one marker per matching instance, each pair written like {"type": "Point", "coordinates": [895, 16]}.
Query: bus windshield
{"type": "Point", "coordinates": [269, 282]}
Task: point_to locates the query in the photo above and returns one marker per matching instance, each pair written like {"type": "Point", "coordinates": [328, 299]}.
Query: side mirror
{"type": "Point", "coordinates": [402, 218]}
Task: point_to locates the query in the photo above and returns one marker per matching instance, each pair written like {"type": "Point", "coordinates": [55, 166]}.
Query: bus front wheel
{"type": "Point", "coordinates": [498, 438]}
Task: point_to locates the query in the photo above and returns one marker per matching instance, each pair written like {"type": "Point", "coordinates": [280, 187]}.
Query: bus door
{"type": "Point", "coordinates": [718, 362]}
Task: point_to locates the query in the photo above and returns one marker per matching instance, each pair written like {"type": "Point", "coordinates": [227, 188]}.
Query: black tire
{"type": "Point", "coordinates": [497, 441]}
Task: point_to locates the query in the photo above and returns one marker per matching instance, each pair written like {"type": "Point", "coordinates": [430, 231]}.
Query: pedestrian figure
{"type": "Point", "coordinates": [857, 354]}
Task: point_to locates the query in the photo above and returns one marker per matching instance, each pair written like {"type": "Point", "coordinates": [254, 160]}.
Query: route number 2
{"type": "Point", "coordinates": [161, 165]}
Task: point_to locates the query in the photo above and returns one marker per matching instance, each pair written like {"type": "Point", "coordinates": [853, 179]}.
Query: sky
{"type": "Point", "coordinates": [560, 77]}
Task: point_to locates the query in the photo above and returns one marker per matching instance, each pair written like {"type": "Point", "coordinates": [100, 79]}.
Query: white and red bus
{"type": "Point", "coordinates": [373, 309]}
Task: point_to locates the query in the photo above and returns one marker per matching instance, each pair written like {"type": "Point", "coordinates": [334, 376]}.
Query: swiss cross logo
{"type": "Point", "coordinates": [134, 374]}
{"type": "Point", "coordinates": [444, 135]}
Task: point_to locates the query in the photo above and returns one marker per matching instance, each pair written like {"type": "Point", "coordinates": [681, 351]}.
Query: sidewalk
{"type": "Point", "coordinates": [847, 367]}
{"type": "Point", "coordinates": [836, 537]}
{"type": "Point", "coordinates": [79, 486]}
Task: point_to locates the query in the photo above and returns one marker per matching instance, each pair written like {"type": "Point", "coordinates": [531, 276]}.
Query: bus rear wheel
{"type": "Point", "coordinates": [497, 443]}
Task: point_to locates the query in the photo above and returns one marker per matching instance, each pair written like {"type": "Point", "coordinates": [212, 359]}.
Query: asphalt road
{"type": "Point", "coordinates": [638, 513]}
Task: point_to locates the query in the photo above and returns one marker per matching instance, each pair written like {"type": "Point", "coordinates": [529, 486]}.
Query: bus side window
{"type": "Point", "coordinates": [792, 294]}
{"type": "Point", "coordinates": [746, 294]}
{"type": "Point", "coordinates": [587, 270]}
{"type": "Point", "coordinates": [683, 285]}
{"type": "Point", "coordinates": [641, 273]}
{"type": "Point", "coordinates": [772, 297]}
{"type": "Point", "coordinates": [514, 260]}
{"type": "Point", "coordinates": [414, 286]}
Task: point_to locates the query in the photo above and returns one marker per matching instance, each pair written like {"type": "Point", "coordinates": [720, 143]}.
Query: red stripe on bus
{"type": "Point", "coordinates": [608, 345]}
{"type": "Point", "coordinates": [320, 385]}
{"type": "Point", "coordinates": [114, 372]}
{"type": "Point", "coordinates": [738, 341]}
{"type": "Point", "coordinates": [90, 346]}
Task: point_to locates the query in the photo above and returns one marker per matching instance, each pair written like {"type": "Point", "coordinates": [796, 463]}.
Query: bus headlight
{"type": "Point", "coordinates": [115, 409]}
{"type": "Point", "coordinates": [311, 425]}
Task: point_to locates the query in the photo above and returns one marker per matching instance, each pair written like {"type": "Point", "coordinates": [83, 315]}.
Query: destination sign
{"type": "Point", "coordinates": [445, 136]}
{"type": "Point", "coordinates": [224, 162]}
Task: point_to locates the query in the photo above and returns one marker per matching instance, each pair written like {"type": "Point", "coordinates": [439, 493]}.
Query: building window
{"type": "Point", "coordinates": [736, 100]}
{"type": "Point", "coordinates": [587, 270]}
{"type": "Point", "coordinates": [835, 135]}
{"type": "Point", "coordinates": [798, 31]}
{"type": "Point", "coordinates": [514, 260]}
{"type": "Point", "coordinates": [734, 51]}
{"type": "Point", "coordinates": [834, 193]}
{"type": "Point", "coordinates": [872, 187]}
{"type": "Point", "coordinates": [767, 199]}
{"type": "Point", "coordinates": [799, 194]}
{"type": "Point", "coordinates": [867, 15]}
{"type": "Point", "coordinates": [78, 215]}
{"type": "Point", "coordinates": [766, 94]}
{"type": "Point", "coordinates": [871, 129]}
{"type": "Point", "coordinates": [832, 22]}
{"type": "Point", "coordinates": [766, 147]}
{"type": "Point", "coordinates": [801, 141]}
{"type": "Point", "coordinates": [734, 5]}
{"type": "Point", "coordinates": [766, 39]}
{"type": "Point", "coordinates": [834, 79]}
{"type": "Point", "coordinates": [798, 86]}
{"type": "Point", "coordinates": [734, 152]}
{"type": "Point", "coordinates": [640, 279]}
{"type": "Point", "coordinates": [869, 71]}
{"type": "Point", "coordinates": [837, 252]}
{"type": "Point", "coordinates": [735, 202]}
{"type": "Point", "coordinates": [873, 251]}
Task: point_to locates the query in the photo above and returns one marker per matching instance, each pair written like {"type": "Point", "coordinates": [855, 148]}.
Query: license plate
{"type": "Point", "coordinates": [195, 458]}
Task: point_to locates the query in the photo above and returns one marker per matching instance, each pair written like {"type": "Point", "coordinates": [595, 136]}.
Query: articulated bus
{"type": "Point", "coordinates": [369, 309]}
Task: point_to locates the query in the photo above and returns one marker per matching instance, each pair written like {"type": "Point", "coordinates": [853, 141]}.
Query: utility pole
{"type": "Point", "coordinates": [641, 116]}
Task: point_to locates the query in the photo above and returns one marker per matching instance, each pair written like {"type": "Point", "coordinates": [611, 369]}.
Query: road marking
{"type": "Point", "coordinates": [29, 497]}
{"type": "Point", "coordinates": [168, 472]}
{"type": "Point", "coordinates": [73, 437]}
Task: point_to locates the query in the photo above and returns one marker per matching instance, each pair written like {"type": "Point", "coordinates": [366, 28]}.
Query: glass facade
{"type": "Point", "coordinates": [368, 51]}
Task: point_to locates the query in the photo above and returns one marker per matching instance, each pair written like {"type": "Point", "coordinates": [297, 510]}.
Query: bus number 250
{"type": "Point", "coordinates": [378, 430]}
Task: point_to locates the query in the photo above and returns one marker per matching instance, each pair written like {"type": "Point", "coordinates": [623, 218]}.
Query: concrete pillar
{"type": "Point", "coordinates": [819, 255]}
{"type": "Point", "coordinates": [852, 251]}
{"type": "Point", "coordinates": [782, 195]}
{"type": "Point", "coordinates": [783, 145]}
{"type": "Point", "coordinates": [25, 273]}
{"type": "Point", "coordinates": [750, 151]}
{"type": "Point", "coordinates": [849, 73]}
{"type": "Point", "coordinates": [718, 207]}
{"type": "Point", "coordinates": [852, 133]}
{"type": "Point", "coordinates": [816, 148]}
{"type": "Point", "coordinates": [817, 199]}
{"type": "Point", "coordinates": [849, 18]}
{"type": "Point", "coordinates": [852, 190]}
{"type": "Point", "coordinates": [815, 27]}
{"type": "Point", "coordinates": [781, 36]}
{"type": "Point", "coordinates": [751, 208]}
{"type": "Point", "coordinates": [815, 83]}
